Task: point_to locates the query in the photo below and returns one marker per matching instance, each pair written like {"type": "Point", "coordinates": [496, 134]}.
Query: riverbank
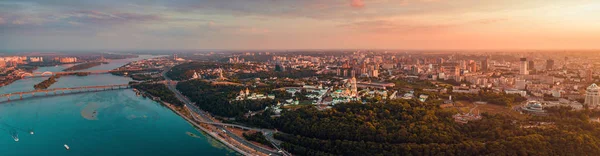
{"type": "Point", "coordinates": [7, 81]}
{"type": "Point", "coordinates": [186, 115]}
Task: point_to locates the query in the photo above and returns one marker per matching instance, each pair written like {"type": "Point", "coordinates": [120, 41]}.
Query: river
{"type": "Point", "coordinates": [114, 122]}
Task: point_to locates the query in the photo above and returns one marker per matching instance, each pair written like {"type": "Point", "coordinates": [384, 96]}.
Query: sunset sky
{"type": "Point", "coordinates": [299, 24]}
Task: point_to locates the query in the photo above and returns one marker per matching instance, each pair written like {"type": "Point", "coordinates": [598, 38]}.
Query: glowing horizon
{"type": "Point", "coordinates": [301, 24]}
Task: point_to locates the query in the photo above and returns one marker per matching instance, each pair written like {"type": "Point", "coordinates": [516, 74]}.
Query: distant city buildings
{"type": "Point", "coordinates": [36, 59]}
{"type": "Point", "coordinates": [549, 64]}
{"type": "Point", "coordinates": [66, 59]}
{"type": "Point", "coordinates": [10, 61]}
{"type": "Point", "coordinates": [592, 97]}
{"type": "Point", "coordinates": [451, 70]}
{"type": "Point", "coordinates": [236, 60]}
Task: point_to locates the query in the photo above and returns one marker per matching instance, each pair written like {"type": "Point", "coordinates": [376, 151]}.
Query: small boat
{"type": "Point", "coordinates": [31, 132]}
{"type": "Point", "coordinates": [66, 146]}
{"type": "Point", "coordinates": [16, 137]}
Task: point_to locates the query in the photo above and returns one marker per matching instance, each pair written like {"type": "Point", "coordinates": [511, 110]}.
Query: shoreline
{"type": "Point", "coordinates": [198, 126]}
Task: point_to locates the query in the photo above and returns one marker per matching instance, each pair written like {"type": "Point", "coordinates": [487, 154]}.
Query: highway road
{"type": "Point", "coordinates": [189, 104]}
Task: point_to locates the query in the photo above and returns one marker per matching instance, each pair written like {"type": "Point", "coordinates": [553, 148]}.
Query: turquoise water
{"type": "Point", "coordinates": [103, 123]}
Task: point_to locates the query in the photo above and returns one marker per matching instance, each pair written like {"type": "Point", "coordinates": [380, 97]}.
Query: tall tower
{"type": "Point", "coordinates": [175, 57]}
{"type": "Point", "coordinates": [485, 64]}
{"type": "Point", "coordinates": [523, 69]}
{"type": "Point", "coordinates": [592, 97]}
{"type": "Point", "coordinates": [221, 77]}
{"type": "Point", "coordinates": [354, 87]}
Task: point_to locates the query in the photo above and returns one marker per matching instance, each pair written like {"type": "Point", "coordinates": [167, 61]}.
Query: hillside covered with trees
{"type": "Point", "coordinates": [217, 99]}
{"type": "Point", "coordinates": [402, 127]}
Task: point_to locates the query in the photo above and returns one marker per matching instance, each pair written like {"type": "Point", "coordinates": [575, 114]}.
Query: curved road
{"type": "Point", "coordinates": [206, 119]}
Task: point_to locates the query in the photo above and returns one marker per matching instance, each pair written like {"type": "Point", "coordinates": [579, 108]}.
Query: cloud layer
{"type": "Point", "coordinates": [293, 24]}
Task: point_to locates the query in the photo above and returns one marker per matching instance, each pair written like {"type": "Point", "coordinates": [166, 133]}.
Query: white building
{"type": "Point", "coordinates": [516, 91]}
{"type": "Point", "coordinates": [36, 59]}
{"type": "Point", "coordinates": [592, 98]}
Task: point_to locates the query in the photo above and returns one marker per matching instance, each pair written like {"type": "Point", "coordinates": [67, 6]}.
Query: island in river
{"type": "Point", "coordinates": [46, 83]}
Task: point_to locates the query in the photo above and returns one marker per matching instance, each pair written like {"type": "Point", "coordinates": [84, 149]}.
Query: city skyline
{"type": "Point", "coordinates": [287, 24]}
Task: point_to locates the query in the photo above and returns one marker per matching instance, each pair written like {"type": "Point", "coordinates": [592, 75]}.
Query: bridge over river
{"type": "Point", "coordinates": [59, 91]}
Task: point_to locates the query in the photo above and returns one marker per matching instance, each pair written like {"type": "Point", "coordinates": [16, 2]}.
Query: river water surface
{"type": "Point", "coordinates": [96, 124]}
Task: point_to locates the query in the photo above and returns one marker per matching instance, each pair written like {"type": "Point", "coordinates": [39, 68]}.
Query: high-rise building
{"type": "Point", "coordinates": [549, 64]}
{"type": "Point", "coordinates": [530, 65]}
{"type": "Point", "coordinates": [523, 69]}
{"type": "Point", "coordinates": [473, 67]}
{"type": "Point", "coordinates": [485, 64]}
{"type": "Point", "coordinates": [592, 97]}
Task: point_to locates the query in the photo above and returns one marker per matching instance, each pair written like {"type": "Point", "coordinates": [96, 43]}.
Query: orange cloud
{"type": "Point", "coordinates": [357, 4]}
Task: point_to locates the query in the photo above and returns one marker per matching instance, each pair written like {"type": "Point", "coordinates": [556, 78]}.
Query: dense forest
{"type": "Point", "coordinates": [217, 99]}
{"type": "Point", "coordinates": [83, 66]}
{"type": "Point", "coordinates": [159, 90]}
{"type": "Point", "coordinates": [46, 83]}
{"type": "Point", "coordinates": [410, 127]}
